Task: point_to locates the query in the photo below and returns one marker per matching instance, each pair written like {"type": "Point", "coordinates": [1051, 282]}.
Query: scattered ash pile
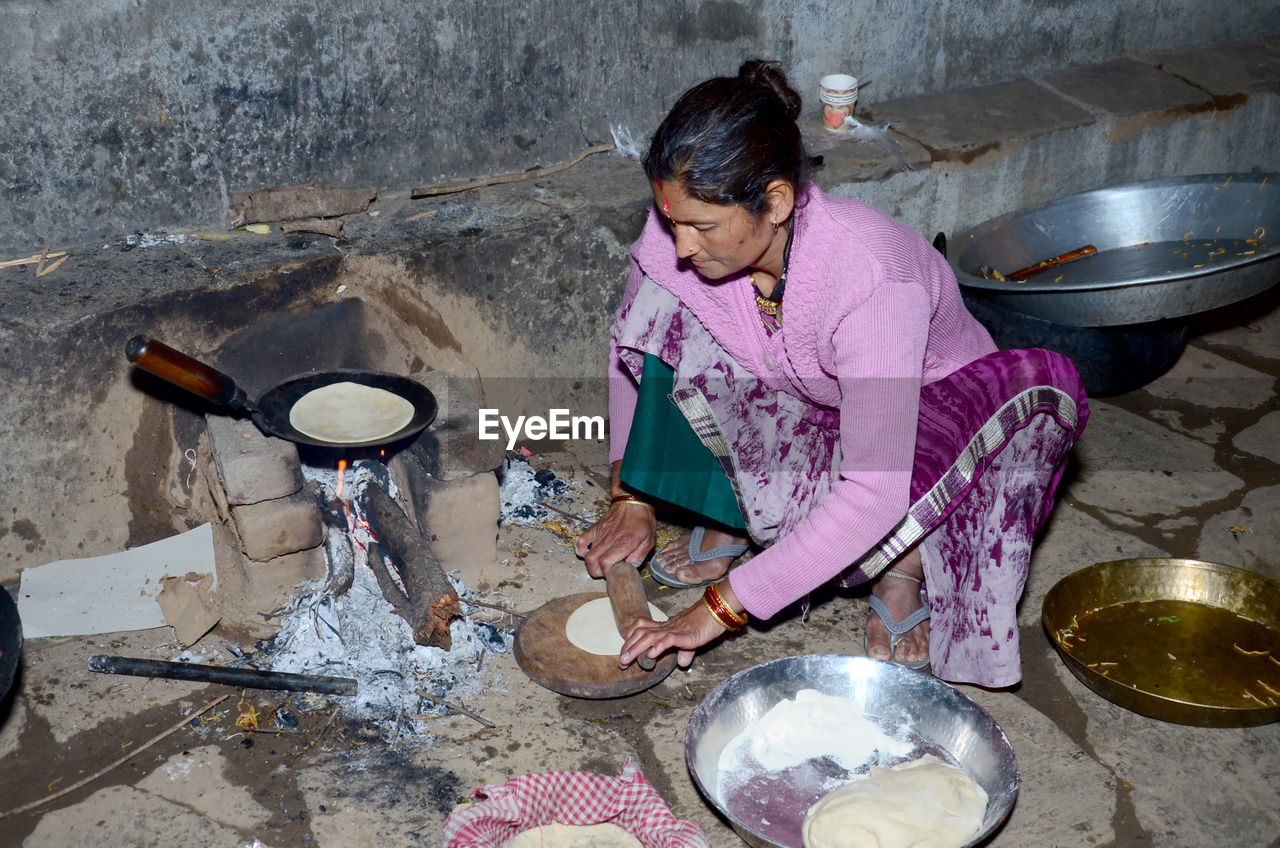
{"type": "Point", "coordinates": [523, 491]}
{"type": "Point", "coordinates": [358, 634]}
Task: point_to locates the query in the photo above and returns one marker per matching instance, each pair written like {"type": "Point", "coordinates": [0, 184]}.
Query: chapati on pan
{"type": "Point", "coordinates": [350, 413]}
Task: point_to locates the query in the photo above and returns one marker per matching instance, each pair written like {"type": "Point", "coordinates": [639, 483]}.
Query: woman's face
{"type": "Point", "coordinates": [718, 240]}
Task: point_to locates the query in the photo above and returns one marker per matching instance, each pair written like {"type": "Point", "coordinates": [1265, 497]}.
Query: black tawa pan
{"type": "Point", "coordinates": [10, 641]}
{"type": "Point", "coordinates": [271, 411]}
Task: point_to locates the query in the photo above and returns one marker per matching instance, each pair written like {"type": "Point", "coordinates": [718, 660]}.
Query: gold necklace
{"type": "Point", "coordinates": [770, 310]}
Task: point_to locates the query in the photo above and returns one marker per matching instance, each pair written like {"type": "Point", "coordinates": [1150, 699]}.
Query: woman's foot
{"type": "Point", "coordinates": [676, 561]}
{"type": "Point", "coordinates": [901, 597]}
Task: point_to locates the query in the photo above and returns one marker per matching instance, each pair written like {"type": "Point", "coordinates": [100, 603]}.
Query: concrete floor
{"type": "Point", "coordinates": [1186, 466]}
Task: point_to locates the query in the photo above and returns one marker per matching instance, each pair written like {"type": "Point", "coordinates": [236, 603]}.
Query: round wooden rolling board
{"type": "Point", "coordinates": [546, 655]}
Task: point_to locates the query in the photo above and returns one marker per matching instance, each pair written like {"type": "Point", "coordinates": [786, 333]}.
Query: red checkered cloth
{"type": "Point", "coordinates": [573, 798]}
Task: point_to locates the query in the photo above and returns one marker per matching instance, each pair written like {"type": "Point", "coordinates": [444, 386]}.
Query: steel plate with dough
{"type": "Point", "coordinates": [933, 715]}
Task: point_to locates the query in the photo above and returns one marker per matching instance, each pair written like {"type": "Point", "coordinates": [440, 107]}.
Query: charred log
{"type": "Point", "coordinates": [432, 601]}
{"type": "Point", "coordinates": [337, 545]}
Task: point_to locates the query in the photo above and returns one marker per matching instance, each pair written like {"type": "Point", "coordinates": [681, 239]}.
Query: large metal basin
{"type": "Point", "coordinates": [1166, 249]}
{"type": "Point", "coordinates": [943, 721]}
{"type": "Point", "coordinates": [1181, 640]}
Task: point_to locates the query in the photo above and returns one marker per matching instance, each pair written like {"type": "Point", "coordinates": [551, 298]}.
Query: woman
{"type": "Point", "coordinates": [826, 363]}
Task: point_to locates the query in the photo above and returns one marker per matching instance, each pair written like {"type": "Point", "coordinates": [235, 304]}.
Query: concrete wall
{"type": "Point", "coordinates": [127, 115]}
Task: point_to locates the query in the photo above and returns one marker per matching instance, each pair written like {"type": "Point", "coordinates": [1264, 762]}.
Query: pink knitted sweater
{"type": "Point", "coordinates": [871, 313]}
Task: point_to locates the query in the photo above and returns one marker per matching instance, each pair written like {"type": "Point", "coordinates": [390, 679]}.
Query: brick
{"type": "Point", "coordinates": [450, 448]}
{"type": "Point", "coordinates": [271, 584]}
{"type": "Point", "coordinates": [252, 467]}
{"type": "Point", "coordinates": [459, 518]}
{"type": "Point", "coordinates": [282, 526]}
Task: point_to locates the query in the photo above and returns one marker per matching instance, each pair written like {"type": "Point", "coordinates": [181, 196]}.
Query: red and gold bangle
{"type": "Point", "coordinates": [626, 497]}
{"type": "Point", "coordinates": [722, 612]}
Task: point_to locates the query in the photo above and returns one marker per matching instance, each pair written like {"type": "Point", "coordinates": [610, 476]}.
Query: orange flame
{"type": "Point", "coordinates": [342, 466]}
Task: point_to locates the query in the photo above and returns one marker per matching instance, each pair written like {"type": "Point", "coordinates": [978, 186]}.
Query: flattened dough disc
{"type": "Point", "coordinates": [546, 655]}
{"type": "Point", "coordinates": [347, 413]}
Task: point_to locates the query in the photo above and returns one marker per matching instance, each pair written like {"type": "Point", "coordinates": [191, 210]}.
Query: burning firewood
{"type": "Point", "coordinates": [337, 546]}
{"type": "Point", "coordinates": [431, 601]}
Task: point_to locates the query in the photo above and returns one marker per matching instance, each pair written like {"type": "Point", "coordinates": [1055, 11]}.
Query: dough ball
{"type": "Point", "coordinates": [591, 627]}
{"type": "Point", "coordinates": [924, 803]}
{"type": "Point", "coordinates": [348, 413]}
{"type": "Point", "coordinates": [603, 835]}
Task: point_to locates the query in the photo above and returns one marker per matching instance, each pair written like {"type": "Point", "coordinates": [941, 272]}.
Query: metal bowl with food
{"type": "Point", "coordinates": [935, 717]}
{"type": "Point", "coordinates": [1129, 254]}
{"type": "Point", "coordinates": [1181, 640]}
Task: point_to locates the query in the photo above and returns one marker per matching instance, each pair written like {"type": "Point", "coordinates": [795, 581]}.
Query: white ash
{"type": "Point", "coordinates": [359, 635]}
{"type": "Point", "coordinates": [522, 490]}
{"type": "Point", "coordinates": [146, 240]}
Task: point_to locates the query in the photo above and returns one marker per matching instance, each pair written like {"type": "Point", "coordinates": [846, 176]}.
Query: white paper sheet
{"type": "Point", "coordinates": [111, 593]}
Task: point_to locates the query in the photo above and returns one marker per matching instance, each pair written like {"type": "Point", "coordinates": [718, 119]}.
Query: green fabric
{"type": "Point", "coordinates": [665, 459]}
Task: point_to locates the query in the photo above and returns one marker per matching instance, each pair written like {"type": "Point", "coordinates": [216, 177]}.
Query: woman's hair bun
{"type": "Point", "coordinates": [727, 138]}
{"type": "Point", "coordinates": [769, 73]}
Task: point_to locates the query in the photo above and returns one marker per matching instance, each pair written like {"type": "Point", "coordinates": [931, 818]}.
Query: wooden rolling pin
{"type": "Point", "coordinates": [629, 602]}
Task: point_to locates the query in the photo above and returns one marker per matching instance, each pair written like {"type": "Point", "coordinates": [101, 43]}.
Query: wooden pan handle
{"type": "Point", "coordinates": [627, 597]}
{"type": "Point", "coordinates": [168, 364]}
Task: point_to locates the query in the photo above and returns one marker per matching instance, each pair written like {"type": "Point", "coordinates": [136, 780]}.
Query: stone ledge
{"type": "Point", "coordinates": [1126, 87]}
{"type": "Point", "coordinates": [960, 125]}
{"type": "Point", "coordinates": [1224, 71]}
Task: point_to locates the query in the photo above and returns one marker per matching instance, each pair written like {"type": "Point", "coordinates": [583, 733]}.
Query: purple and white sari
{"type": "Point", "coordinates": [991, 444]}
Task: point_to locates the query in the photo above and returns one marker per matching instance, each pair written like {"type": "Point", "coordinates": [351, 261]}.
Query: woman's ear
{"type": "Point", "coordinates": [781, 196]}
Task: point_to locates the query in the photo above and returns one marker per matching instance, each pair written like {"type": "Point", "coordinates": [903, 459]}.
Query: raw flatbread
{"type": "Point", "coordinates": [574, 836]}
{"type": "Point", "coordinates": [810, 725]}
{"type": "Point", "coordinates": [347, 413]}
{"type": "Point", "coordinates": [923, 803]}
{"type": "Point", "coordinates": [591, 627]}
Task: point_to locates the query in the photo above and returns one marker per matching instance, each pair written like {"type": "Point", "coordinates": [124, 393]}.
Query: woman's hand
{"type": "Point", "coordinates": [685, 631]}
{"type": "Point", "coordinates": [626, 533]}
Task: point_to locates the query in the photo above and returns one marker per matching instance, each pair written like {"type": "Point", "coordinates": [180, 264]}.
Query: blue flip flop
{"type": "Point", "coordinates": [897, 629]}
{"type": "Point", "coordinates": [696, 554]}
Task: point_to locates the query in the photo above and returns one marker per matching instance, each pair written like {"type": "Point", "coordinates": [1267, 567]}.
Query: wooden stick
{"type": "Point", "coordinates": [422, 693]}
{"type": "Point", "coordinates": [333, 714]}
{"type": "Point", "coordinates": [34, 259]}
{"type": "Point", "coordinates": [49, 269]}
{"type": "Point", "coordinates": [73, 787]}
{"type": "Point", "coordinates": [497, 607]}
{"type": "Point", "coordinates": [1045, 264]}
{"type": "Point", "coordinates": [584, 522]}
{"type": "Point", "coordinates": [437, 190]}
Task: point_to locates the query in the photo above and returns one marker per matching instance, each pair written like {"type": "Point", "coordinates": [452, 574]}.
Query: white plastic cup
{"type": "Point", "coordinates": [839, 95]}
